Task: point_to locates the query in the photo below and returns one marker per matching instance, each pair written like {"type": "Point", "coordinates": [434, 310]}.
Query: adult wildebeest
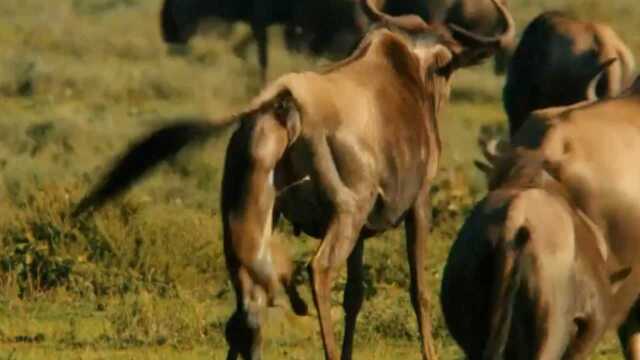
{"type": "Point", "coordinates": [479, 16]}
{"type": "Point", "coordinates": [586, 152]}
{"type": "Point", "coordinates": [326, 27]}
{"type": "Point", "coordinates": [318, 25]}
{"type": "Point", "coordinates": [343, 154]}
{"type": "Point", "coordinates": [179, 19]}
{"type": "Point", "coordinates": [526, 277]}
{"type": "Point", "coordinates": [556, 58]}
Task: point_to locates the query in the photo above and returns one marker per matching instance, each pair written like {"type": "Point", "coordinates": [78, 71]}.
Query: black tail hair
{"type": "Point", "coordinates": [144, 155]}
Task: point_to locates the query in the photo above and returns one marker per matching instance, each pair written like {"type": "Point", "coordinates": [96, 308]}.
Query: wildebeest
{"type": "Point", "coordinates": [556, 58]}
{"type": "Point", "coordinates": [343, 154]}
{"type": "Point", "coordinates": [526, 277]}
{"type": "Point", "coordinates": [318, 25]}
{"type": "Point", "coordinates": [479, 16]}
{"type": "Point", "coordinates": [179, 19]}
{"type": "Point", "coordinates": [326, 27]}
{"type": "Point", "coordinates": [582, 156]}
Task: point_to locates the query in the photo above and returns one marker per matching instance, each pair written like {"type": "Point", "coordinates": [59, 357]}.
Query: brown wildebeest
{"type": "Point", "coordinates": [556, 58]}
{"type": "Point", "coordinates": [587, 150]}
{"type": "Point", "coordinates": [479, 16]}
{"type": "Point", "coordinates": [343, 154]}
{"type": "Point", "coordinates": [527, 276]}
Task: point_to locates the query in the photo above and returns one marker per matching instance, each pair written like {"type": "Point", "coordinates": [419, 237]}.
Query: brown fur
{"type": "Point", "coordinates": [342, 155]}
{"type": "Point", "coordinates": [574, 153]}
{"type": "Point", "coordinates": [558, 52]}
{"type": "Point", "coordinates": [528, 266]}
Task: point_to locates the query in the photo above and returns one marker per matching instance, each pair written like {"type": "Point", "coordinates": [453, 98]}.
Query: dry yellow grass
{"type": "Point", "coordinates": [145, 279]}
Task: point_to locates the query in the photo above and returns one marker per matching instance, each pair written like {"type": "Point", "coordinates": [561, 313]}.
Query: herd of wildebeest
{"type": "Point", "coordinates": [543, 265]}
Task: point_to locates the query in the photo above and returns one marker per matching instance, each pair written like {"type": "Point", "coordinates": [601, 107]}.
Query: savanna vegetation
{"type": "Point", "coordinates": [145, 277]}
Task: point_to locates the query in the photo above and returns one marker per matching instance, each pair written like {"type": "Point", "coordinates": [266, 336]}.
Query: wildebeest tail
{"type": "Point", "coordinates": [144, 155]}
{"type": "Point", "coordinates": [505, 295]}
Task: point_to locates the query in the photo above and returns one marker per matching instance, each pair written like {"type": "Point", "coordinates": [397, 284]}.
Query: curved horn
{"type": "Point", "coordinates": [409, 23]}
{"type": "Point", "coordinates": [593, 84]}
{"type": "Point", "coordinates": [498, 40]}
{"type": "Point", "coordinates": [494, 149]}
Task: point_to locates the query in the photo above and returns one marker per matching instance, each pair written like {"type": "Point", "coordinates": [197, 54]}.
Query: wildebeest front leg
{"type": "Point", "coordinates": [353, 297]}
{"type": "Point", "coordinates": [417, 225]}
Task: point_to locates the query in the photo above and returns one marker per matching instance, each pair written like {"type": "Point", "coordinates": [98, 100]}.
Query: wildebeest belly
{"type": "Point", "coordinates": [388, 211]}
{"type": "Point", "coordinates": [305, 207]}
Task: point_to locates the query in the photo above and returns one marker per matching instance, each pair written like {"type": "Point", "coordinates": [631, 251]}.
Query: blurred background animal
{"type": "Point", "coordinates": [321, 26]}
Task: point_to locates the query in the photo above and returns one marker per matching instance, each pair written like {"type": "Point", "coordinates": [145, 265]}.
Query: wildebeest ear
{"type": "Point", "coordinates": [617, 278]}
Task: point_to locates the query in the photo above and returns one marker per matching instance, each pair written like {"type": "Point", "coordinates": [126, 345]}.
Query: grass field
{"type": "Point", "coordinates": [145, 277]}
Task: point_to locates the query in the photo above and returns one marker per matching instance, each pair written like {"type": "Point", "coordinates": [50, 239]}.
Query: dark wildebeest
{"type": "Point", "coordinates": [479, 16]}
{"type": "Point", "coordinates": [556, 58]}
{"type": "Point", "coordinates": [343, 154]}
{"type": "Point", "coordinates": [587, 153]}
{"type": "Point", "coordinates": [326, 27]}
{"type": "Point", "coordinates": [318, 25]}
{"type": "Point", "coordinates": [179, 19]}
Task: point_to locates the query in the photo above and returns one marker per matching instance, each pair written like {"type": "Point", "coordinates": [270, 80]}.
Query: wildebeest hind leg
{"type": "Point", "coordinates": [417, 225]}
{"type": "Point", "coordinates": [353, 297]}
{"type": "Point", "coordinates": [244, 329]}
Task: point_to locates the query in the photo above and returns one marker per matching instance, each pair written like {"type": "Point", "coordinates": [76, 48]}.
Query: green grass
{"type": "Point", "coordinates": [145, 278]}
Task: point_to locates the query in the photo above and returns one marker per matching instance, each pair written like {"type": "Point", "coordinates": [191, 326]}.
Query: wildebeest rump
{"type": "Point", "coordinates": [527, 276]}
{"type": "Point", "coordinates": [589, 151]}
{"type": "Point", "coordinates": [556, 59]}
{"type": "Point", "coordinates": [343, 154]}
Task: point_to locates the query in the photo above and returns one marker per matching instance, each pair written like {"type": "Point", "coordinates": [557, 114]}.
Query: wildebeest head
{"type": "Point", "coordinates": [447, 47]}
